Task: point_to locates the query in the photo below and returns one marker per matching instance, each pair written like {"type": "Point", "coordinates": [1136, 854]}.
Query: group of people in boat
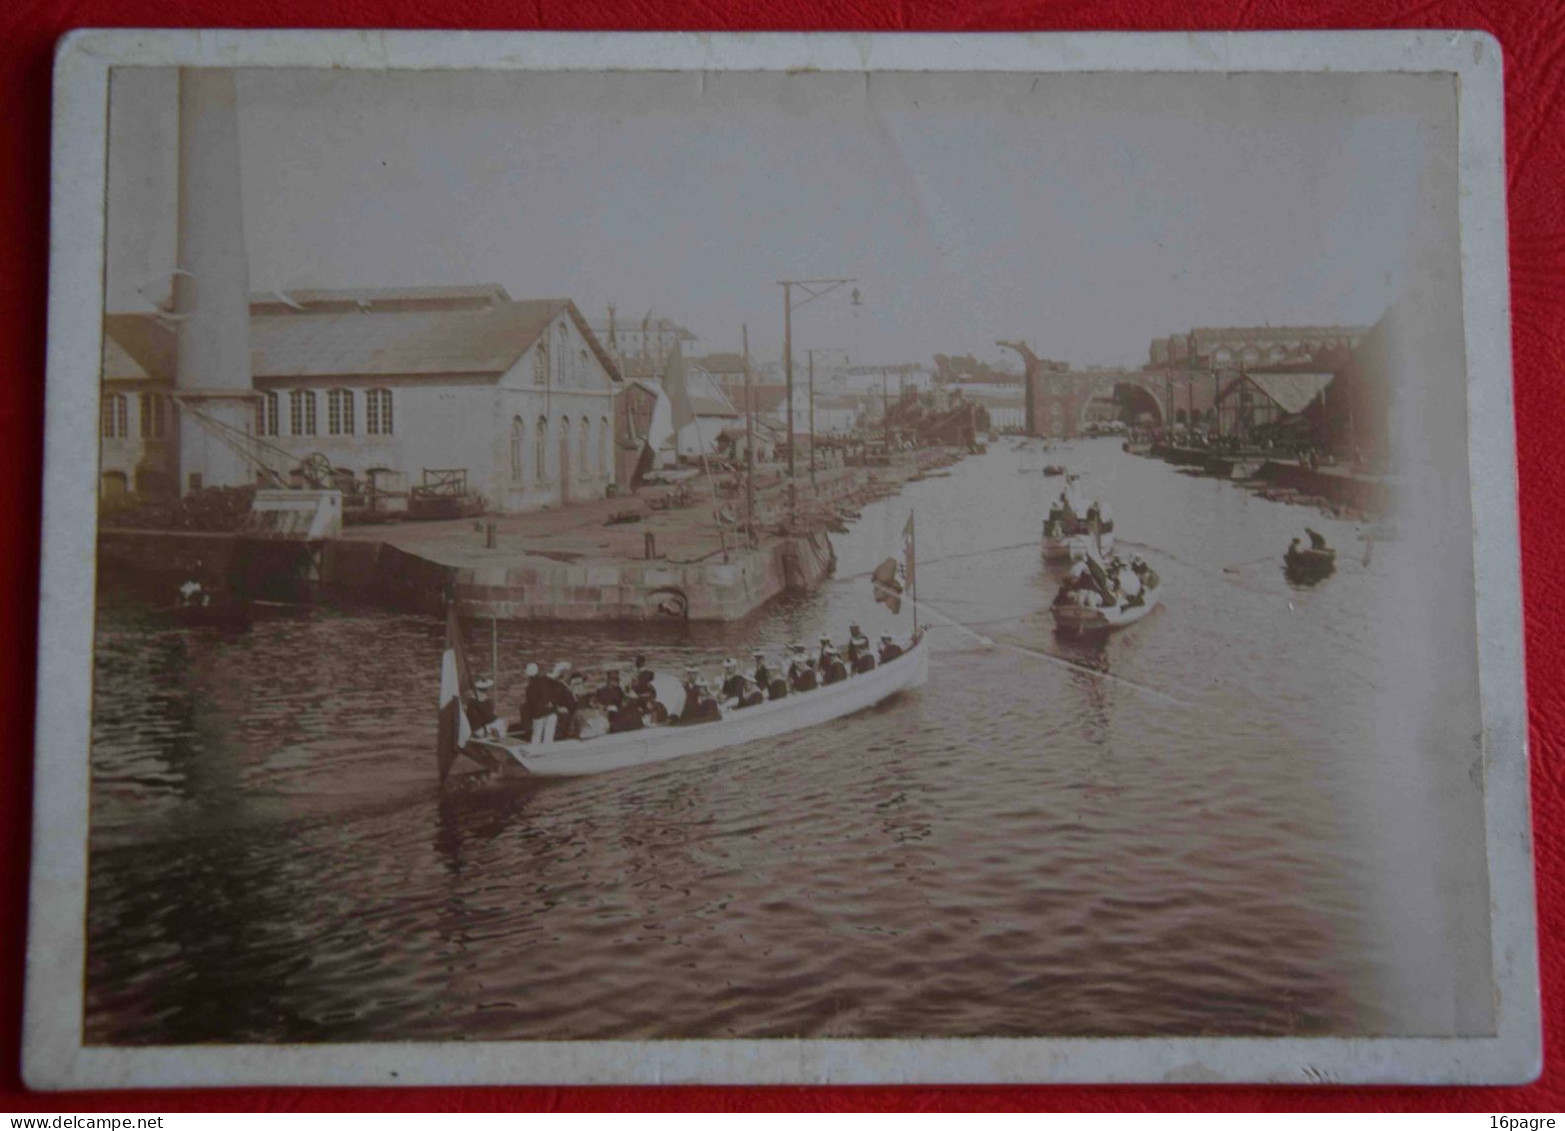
{"type": "Point", "coordinates": [1317, 542]}
{"type": "Point", "coordinates": [1113, 583]}
{"type": "Point", "coordinates": [563, 704]}
{"type": "Point", "coordinates": [1064, 519]}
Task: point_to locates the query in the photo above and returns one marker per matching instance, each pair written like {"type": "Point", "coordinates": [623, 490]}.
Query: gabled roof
{"type": "Point", "coordinates": [1292, 392]}
{"type": "Point", "coordinates": [413, 332]}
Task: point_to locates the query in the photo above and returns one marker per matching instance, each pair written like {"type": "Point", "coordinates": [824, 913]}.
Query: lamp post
{"type": "Point", "coordinates": [812, 289]}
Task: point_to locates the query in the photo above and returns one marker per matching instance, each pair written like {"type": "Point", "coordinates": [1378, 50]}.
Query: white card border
{"type": "Point", "coordinates": [53, 1054]}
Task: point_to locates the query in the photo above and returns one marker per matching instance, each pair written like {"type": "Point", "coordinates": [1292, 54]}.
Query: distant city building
{"type": "Point", "coordinates": [1006, 403]}
{"type": "Point", "coordinates": [650, 337]}
{"type": "Point", "coordinates": [1208, 347]}
{"type": "Point", "coordinates": [518, 394]}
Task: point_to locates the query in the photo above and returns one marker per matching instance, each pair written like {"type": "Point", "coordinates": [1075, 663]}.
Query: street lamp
{"type": "Point", "coordinates": [813, 289]}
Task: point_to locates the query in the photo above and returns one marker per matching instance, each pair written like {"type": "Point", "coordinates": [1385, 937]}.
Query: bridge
{"type": "Point", "coordinates": [1063, 402]}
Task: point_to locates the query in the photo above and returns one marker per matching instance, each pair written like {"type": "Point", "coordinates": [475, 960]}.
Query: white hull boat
{"type": "Point", "coordinates": [573, 757]}
{"type": "Point", "coordinates": [1087, 618]}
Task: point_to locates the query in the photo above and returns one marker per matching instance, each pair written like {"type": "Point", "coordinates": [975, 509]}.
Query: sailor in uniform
{"type": "Point", "coordinates": [763, 674]}
{"type": "Point", "coordinates": [889, 648]}
{"type": "Point", "coordinates": [861, 658]}
{"type": "Point", "coordinates": [735, 686]}
{"type": "Point", "coordinates": [564, 700]}
{"type": "Point", "coordinates": [538, 706]}
{"type": "Point", "coordinates": [833, 670]}
{"type": "Point", "coordinates": [480, 708]}
{"type": "Point", "coordinates": [796, 665]}
{"type": "Point", "coordinates": [802, 675]}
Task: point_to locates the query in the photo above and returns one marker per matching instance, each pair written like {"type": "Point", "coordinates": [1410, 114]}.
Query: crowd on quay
{"type": "Point", "coordinates": [1108, 584]}
{"type": "Point", "coordinates": [564, 704]}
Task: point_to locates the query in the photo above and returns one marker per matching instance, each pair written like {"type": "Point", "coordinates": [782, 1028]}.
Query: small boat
{"type": "Point", "coordinates": [573, 757]}
{"type": "Point", "coordinates": [1080, 619]}
{"type": "Point", "coordinates": [1053, 469]}
{"type": "Point", "coordinates": [1073, 529]}
{"type": "Point", "coordinates": [1309, 565]}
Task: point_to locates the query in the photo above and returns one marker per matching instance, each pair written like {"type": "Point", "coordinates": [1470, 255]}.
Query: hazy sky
{"type": "Point", "coordinates": [1085, 213]}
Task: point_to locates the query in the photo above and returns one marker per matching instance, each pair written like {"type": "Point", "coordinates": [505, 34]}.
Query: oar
{"type": "Point", "coordinates": [946, 618]}
{"type": "Point", "coordinates": [1253, 561]}
{"type": "Point", "coordinates": [988, 644]}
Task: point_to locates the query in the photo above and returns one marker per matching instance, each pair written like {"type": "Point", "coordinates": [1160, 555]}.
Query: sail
{"type": "Point", "coordinates": [676, 385]}
{"type": "Point", "coordinates": [455, 683]}
{"type": "Point", "coordinates": [659, 431]}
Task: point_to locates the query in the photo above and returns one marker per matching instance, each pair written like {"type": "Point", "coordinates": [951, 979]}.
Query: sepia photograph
{"type": "Point", "coordinates": [755, 555]}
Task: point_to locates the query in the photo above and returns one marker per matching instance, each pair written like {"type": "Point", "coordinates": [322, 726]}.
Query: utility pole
{"type": "Point", "coordinates": [787, 287]}
{"type": "Point", "coordinates": [812, 417]}
{"type": "Point", "coordinates": [885, 410]}
{"type": "Point", "coordinates": [749, 443]}
{"type": "Point", "coordinates": [813, 289]}
{"type": "Point", "coordinates": [1168, 400]}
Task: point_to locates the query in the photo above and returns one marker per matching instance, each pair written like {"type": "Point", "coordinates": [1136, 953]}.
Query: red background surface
{"type": "Point", "coordinates": [1533, 37]}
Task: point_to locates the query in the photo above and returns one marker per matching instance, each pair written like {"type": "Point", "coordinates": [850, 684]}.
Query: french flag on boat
{"type": "Point", "coordinates": [455, 683]}
{"type": "Point", "coordinates": [891, 578]}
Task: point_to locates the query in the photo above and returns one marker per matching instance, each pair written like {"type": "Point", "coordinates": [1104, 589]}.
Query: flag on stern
{"type": "Point", "coordinates": [455, 681]}
{"type": "Point", "coordinates": [891, 578]}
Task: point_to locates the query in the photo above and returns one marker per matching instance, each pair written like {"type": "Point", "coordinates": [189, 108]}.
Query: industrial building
{"type": "Point", "coordinates": [517, 394]}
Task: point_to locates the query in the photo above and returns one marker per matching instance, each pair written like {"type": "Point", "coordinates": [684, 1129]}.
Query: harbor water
{"type": "Point", "coordinates": [1228, 819]}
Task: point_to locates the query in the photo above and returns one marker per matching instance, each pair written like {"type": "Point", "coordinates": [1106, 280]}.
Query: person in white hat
{"type": "Point", "coordinates": [539, 707]}
{"type": "Point", "coordinates": [734, 684]}
{"type": "Point", "coordinates": [480, 708]}
{"type": "Point", "coordinates": [833, 670]}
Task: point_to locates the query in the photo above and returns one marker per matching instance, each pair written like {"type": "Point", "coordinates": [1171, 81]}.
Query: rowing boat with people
{"type": "Point", "coordinates": [1104, 618]}
{"type": "Point", "coordinates": [1102, 596]}
{"type": "Point", "coordinates": [772, 719]}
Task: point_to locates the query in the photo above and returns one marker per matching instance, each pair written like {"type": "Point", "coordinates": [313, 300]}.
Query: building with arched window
{"type": "Point", "coordinates": [394, 380]}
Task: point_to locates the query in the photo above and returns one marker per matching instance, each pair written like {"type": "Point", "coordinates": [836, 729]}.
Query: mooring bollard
{"type": "Point", "coordinates": [649, 545]}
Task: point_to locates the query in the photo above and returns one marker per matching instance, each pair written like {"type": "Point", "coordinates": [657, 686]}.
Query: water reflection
{"type": "Point", "coordinates": [1154, 831]}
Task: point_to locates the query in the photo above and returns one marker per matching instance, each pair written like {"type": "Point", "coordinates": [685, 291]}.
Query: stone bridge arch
{"type": "Point", "coordinates": [1131, 394]}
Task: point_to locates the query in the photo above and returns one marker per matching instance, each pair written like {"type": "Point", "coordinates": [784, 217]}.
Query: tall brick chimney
{"type": "Point", "coordinates": [212, 377]}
